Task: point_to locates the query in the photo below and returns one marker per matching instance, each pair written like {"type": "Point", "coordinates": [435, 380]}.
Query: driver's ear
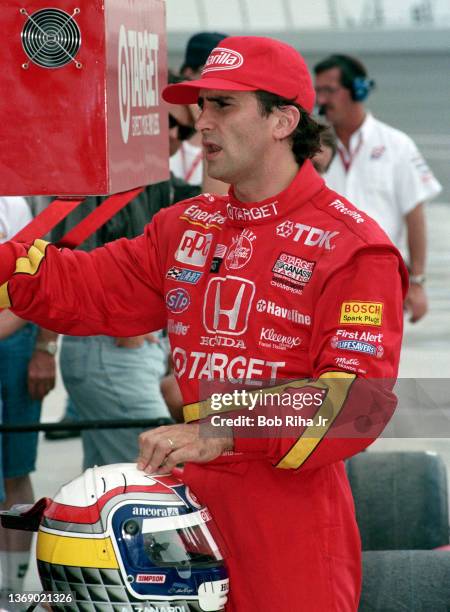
{"type": "Point", "coordinates": [287, 119]}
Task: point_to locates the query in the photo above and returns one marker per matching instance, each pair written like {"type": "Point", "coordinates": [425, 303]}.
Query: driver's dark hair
{"type": "Point", "coordinates": [306, 136]}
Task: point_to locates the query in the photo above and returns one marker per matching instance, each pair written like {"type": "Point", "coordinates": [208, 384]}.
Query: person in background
{"type": "Point", "coordinates": [328, 147]}
{"type": "Point", "coordinates": [27, 374]}
{"type": "Point", "coordinates": [377, 166]}
{"type": "Point", "coordinates": [187, 163]}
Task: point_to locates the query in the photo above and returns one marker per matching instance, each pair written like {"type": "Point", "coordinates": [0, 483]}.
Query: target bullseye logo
{"type": "Point", "coordinates": [124, 83]}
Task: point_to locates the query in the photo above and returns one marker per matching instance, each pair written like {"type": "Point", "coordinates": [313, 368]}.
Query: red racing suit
{"type": "Point", "coordinates": [301, 286]}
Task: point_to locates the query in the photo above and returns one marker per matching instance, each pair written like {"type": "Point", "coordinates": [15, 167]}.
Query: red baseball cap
{"type": "Point", "coordinates": [249, 63]}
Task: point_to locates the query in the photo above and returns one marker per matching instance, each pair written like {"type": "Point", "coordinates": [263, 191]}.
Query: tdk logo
{"type": "Point", "coordinates": [178, 300]}
{"type": "Point", "coordinates": [309, 236]}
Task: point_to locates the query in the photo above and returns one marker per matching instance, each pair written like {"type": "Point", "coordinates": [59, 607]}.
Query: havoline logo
{"type": "Point", "coordinates": [222, 58]}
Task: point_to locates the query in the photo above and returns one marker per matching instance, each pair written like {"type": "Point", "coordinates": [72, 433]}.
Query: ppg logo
{"type": "Point", "coordinates": [177, 300]}
{"type": "Point", "coordinates": [194, 248]}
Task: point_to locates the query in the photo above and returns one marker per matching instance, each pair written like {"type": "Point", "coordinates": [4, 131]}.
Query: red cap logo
{"type": "Point", "coordinates": [222, 58]}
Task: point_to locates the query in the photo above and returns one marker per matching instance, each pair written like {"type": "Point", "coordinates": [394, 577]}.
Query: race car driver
{"type": "Point", "coordinates": [283, 279]}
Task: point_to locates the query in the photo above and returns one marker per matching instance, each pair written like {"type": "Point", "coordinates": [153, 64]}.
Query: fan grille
{"type": "Point", "coordinates": [51, 38]}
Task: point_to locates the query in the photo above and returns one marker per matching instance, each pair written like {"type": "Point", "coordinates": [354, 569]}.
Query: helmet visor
{"type": "Point", "coordinates": [178, 541]}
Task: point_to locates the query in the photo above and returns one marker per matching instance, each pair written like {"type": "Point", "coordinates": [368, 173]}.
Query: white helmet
{"type": "Point", "coordinates": [116, 537]}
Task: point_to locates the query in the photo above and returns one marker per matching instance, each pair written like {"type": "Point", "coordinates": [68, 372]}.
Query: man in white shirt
{"type": "Point", "coordinates": [14, 214]}
{"type": "Point", "coordinates": [377, 166]}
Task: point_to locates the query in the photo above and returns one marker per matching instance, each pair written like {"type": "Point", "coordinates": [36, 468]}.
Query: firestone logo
{"type": "Point", "coordinates": [222, 58]}
{"type": "Point", "coordinates": [138, 74]}
{"type": "Point", "coordinates": [345, 210]}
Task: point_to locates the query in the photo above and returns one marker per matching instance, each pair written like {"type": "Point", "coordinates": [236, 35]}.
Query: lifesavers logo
{"type": "Point", "coordinates": [138, 82]}
{"type": "Point", "coordinates": [222, 58]}
{"type": "Point", "coordinates": [358, 347]}
{"type": "Point", "coordinates": [361, 313]}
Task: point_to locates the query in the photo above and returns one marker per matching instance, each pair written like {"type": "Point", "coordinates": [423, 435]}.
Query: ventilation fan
{"type": "Point", "coordinates": [51, 38]}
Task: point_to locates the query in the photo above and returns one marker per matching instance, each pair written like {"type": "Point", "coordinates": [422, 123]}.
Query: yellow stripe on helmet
{"type": "Point", "coordinates": [77, 552]}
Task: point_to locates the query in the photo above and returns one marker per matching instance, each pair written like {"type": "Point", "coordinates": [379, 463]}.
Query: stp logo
{"type": "Point", "coordinates": [194, 248]}
{"type": "Point", "coordinates": [227, 304]}
{"type": "Point", "coordinates": [177, 300]}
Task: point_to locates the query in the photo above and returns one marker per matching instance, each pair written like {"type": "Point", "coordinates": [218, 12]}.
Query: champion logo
{"type": "Point", "coordinates": [222, 58]}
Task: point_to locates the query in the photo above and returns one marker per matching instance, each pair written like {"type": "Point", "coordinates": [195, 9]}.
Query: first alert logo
{"type": "Point", "coordinates": [361, 313]}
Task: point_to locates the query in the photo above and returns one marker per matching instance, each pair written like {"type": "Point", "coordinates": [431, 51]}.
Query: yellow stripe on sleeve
{"type": "Point", "coordinates": [337, 388]}
{"type": "Point", "coordinates": [4, 296]}
{"type": "Point", "coordinates": [30, 264]}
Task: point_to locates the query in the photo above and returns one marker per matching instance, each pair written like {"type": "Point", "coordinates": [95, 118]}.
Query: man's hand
{"type": "Point", "coordinates": [41, 374]}
{"type": "Point", "coordinates": [161, 449]}
{"type": "Point", "coordinates": [9, 323]}
{"type": "Point", "coordinates": [416, 302]}
{"type": "Point", "coordinates": [136, 341]}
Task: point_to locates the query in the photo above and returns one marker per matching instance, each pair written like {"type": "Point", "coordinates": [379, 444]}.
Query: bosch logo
{"type": "Point", "coordinates": [261, 306]}
{"type": "Point", "coordinates": [285, 229]}
{"type": "Point", "coordinates": [221, 58]}
{"type": "Point", "coordinates": [178, 300]}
